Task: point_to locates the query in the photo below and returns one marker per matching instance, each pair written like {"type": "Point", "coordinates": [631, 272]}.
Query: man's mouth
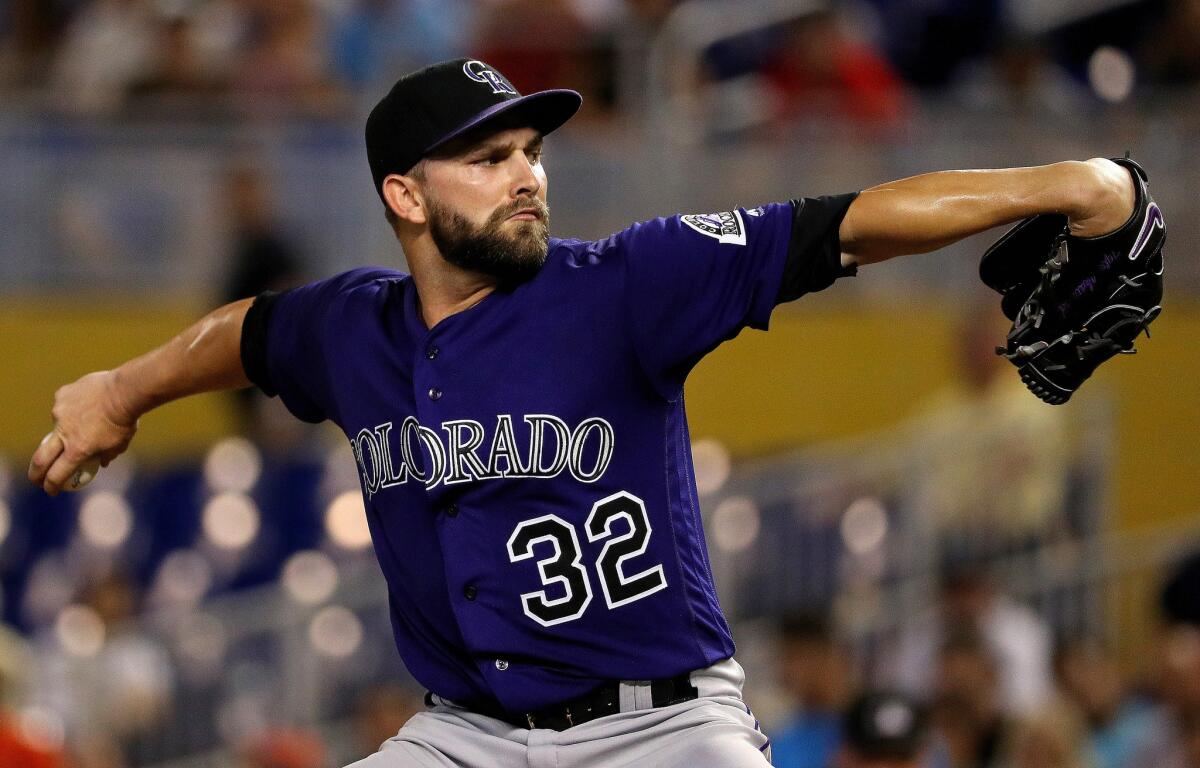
{"type": "Point", "coordinates": [526, 214]}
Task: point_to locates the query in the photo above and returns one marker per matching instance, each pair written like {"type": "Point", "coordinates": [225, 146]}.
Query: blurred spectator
{"type": "Point", "coordinates": [17, 751]}
{"type": "Point", "coordinates": [652, 12]}
{"type": "Point", "coordinates": [20, 745]}
{"type": "Point", "coordinates": [110, 683]}
{"type": "Point", "coordinates": [282, 64]}
{"type": "Point", "coordinates": [1189, 727]}
{"type": "Point", "coordinates": [110, 45]}
{"type": "Point", "coordinates": [1172, 742]}
{"type": "Point", "coordinates": [972, 729]}
{"type": "Point", "coordinates": [995, 459]}
{"type": "Point", "coordinates": [285, 748]}
{"type": "Point", "coordinates": [134, 670]}
{"type": "Point", "coordinates": [817, 674]}
{"type": "Point", "coordinates": [1014, 637]}
{"type": "Point", "coordinates": [179, 68]}
{"type": "Point", "coordinates": [883, 730]}
{"type": "Point", "coordinates": [1171, 52]}
{"type": "Point", "coordinates": [1053, 738]}
{"type": "Point", "coordinates": [821, 68]}
{"type": "Point", "coordinates": [15, 664]}
{"type": "Point", "coordinates": [1181, 593]}
{"type": "Point", "coordinates": [30, 31]}
{"type": "Point", "coordinates": [374, 41]}
{"type": "Point", "coordinates": [379, 711]}
{"type": "Point", "coordinates": [1117, 723]}
{"type": "Point", "coordinates": [541, 44]}
{"type": "Point", "coordinates": [929, 40]}
{"type": "Point", "coordinates": [262, 258]}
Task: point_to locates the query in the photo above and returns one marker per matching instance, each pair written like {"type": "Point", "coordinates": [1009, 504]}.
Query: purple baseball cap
{"type": "Point", "coordinates": [429, 107]}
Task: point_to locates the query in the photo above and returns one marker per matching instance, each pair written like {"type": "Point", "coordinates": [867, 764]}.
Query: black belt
{"type": "Point", "coordinates": [605, 700]}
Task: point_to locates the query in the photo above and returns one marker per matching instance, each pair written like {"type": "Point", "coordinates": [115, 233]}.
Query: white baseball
{"type": "Point", "coordinates": [84, 475]}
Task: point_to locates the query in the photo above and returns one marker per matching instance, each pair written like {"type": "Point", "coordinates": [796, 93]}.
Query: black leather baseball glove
{"type": "Point", "coordinates": [1075, 302]}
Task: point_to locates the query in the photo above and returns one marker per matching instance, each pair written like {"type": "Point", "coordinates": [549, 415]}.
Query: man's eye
{"type": "Point", "coordinates": [535, 156]}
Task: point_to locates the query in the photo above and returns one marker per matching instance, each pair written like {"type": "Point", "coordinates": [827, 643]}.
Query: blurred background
{"type": "Point", "coordinates": [886, 506]}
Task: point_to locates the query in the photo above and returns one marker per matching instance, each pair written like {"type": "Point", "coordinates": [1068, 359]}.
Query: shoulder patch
{"type": "Point", "coordinates": [724, 227]}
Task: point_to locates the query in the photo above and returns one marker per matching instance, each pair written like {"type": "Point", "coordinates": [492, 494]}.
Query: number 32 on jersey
{"type": "Point", "coordinates": [565, 568]}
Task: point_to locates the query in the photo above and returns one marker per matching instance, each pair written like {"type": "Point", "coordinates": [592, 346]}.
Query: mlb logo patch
{"type": "Point", "coordinates": [482, 73]}
{"type": "Point", "coordinates": [724, 227]}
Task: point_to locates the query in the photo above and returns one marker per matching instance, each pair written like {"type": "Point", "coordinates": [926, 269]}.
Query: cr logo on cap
{"type": "Point", "coordinates": [482, 73]}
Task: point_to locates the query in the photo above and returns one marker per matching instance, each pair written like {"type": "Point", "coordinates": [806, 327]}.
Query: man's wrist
{"type": "Point", "coordinates": [1106, 199]}
{"type": "Point", "coordinates": [125, 400]}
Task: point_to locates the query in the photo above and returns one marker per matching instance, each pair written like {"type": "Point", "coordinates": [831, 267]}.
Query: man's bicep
{"type": "Point", "coordinates": [693, 281]}
{"type": "Point", "coordinates": [815, 256]}
{"type": "Point", "coordinates": [283, 349]}
{"type": "Point", "coordinates": [254, 341]}
{"type": "Point", "coordinates": [289, 337]}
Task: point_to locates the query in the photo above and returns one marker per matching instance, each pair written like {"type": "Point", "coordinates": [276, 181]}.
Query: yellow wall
{"type": "Point", "coordinates": [825, 370]}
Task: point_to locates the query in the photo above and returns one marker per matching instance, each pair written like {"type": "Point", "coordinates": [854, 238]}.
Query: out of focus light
{"type": "Point", "coordinates": [310, 577]}
{"type": "Point", "coordinates": [346, 521]}
{"type": "Point", "coordinates": [864, 525]}
{"type": "Point", "coordinates": [232, 466]}
{"type": "Point", "coordinates": [42, 728]}
{"type": "Point", "coordinates": [735, 524]}
{"type": "Point", "coordinates": [1111, 73]}
{"type": "Point", "coordinates": [105, 519]}
{"type": "Point", "coordinates": [230, 521]}
{"type": "Point", "coordinates": [184, 577]}
{"type": "Point", "coordinates": [5, 520]}
{"type": "Point", "coordinates": [79, 630]}
{"type": "Point", "coordinates": [335, 631]}
{"type": "Point", "coordinates": [711, 462]}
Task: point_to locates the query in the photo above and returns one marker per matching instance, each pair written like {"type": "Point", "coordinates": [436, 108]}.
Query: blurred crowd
{"type": "Point", "coordinates": [862, 60]}
{"type": "Point", "coordinates": [978, 681]}
{"type": "Point", "coordinates": [995, 689]}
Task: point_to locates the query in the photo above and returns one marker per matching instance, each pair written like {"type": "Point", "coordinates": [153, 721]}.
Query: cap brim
{"type": "Point", "coordinates": [543, 111]}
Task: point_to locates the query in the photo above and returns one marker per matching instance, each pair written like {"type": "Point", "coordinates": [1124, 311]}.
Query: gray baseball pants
{"type": "Point", "coordinates": [715, 730]}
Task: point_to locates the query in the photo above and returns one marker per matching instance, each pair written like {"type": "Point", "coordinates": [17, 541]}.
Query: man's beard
{"type": "Point", "coordinates": [511, 257]}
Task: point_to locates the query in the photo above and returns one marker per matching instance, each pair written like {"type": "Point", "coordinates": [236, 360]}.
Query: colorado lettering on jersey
{"type": "Point", "coordinates": [388, 456]}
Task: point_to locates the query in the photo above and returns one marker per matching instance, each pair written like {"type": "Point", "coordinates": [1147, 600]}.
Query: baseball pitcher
{"type": "Point", "coordinates": [515, 407]}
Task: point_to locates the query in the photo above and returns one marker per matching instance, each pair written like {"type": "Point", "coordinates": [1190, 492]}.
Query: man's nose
{"type": "Point", "coordinates": [525, 182]}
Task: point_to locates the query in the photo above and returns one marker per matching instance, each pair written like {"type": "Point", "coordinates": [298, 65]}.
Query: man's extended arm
{"type": "Point", "coordinates": [98, 414]}
{"type": "Point", "coordinates": [924, 213]}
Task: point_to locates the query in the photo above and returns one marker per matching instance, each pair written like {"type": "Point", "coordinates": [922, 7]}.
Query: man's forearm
{"type": "Point", "coordinates": [205, 357]}
{"type": "Point", "coordinates": [924, 213]}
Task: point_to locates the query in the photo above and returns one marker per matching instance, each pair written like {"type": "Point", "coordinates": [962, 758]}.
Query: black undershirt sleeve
{"type": "Point", "coordinates": [254, 342]}
{"type": "Point", "coordinates": [814, 258]}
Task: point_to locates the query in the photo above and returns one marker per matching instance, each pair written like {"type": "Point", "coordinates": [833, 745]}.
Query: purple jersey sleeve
{"type": "Point", "coordinates": [302, 326]}
{"type": "Point", "coordinates": [694, 281]}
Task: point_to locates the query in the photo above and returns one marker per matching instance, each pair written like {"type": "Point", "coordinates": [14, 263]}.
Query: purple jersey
{"type": "Point", "coordinates": [525, 464]}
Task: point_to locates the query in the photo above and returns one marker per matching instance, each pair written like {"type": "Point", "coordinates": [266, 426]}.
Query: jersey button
{"type": "Point", "coordinates": [469, 592]}
{"type": "Point", "coordinates": [432, 352]}
{"type": "Point", "coordinates": [435, 393]}
{"type": "Point", "coordinates": [452, 510]}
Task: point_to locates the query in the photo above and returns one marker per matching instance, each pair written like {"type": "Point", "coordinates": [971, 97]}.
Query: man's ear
{"type": "Point", "coordinates": [403, 195]}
